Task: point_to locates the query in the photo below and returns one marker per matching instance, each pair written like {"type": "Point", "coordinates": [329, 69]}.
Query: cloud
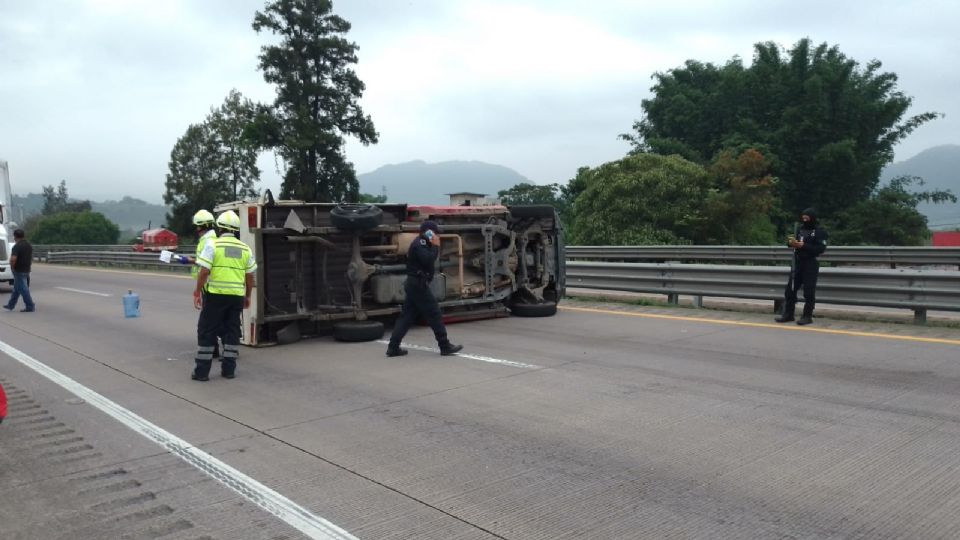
{"type": "Point", "coordinates": [98, 91]}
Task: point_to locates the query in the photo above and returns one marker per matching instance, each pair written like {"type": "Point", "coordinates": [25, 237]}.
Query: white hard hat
{"type": "Point", "coordinates": [202, 217]}
{"type": "Point", "coordinates": [229, 220]}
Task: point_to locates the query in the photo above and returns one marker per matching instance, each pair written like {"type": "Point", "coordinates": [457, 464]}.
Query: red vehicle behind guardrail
{"type": "Point", "coordinates": [157, 240]}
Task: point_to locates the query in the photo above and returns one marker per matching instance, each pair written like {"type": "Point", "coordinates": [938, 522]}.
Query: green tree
{"type": "Point", "coordinates": [889, 217]}
{"type": "Point", "coordinates": [526, 193]}
{"type": "Point", "coordinates": [317, 101]}
{"type": "Point", "coordinates": [639, 200]}
{"type": "Point", "coordinates": [372, 199]}
{"type": "Point", "coordinates": [56, 200]}
{"type": "Point", "coordinates": [830, 124]}
{"type": "Point", "coordinates": [213, 162]}
{"type": "Point", "coordinates": [75, 228]}
{"type": "Point", "coordinates": [569, 192]}
{"type": "Point", "coordinates": [737, 208]}
{"type": "Point", "coordinates": [194, 181]}
{"type": "Point", "coordinates": [237, 154]}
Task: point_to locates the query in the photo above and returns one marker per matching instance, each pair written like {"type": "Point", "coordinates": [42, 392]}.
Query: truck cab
{"type": "Point", "coordinates": [339, 269]}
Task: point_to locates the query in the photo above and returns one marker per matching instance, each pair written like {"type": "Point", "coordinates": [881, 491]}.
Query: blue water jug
{"type": "Point", "coordinates": [131, 304]}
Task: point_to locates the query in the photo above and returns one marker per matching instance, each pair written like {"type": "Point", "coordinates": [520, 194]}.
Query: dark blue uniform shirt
{"type": "Point", "coordinates": [420, 259]}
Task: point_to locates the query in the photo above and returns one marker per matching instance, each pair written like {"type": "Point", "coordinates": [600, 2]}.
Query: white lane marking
{"type": "Point", "coordinates": [510, 363]}
{"type": "Point", "coordinates": [82, 291]}
{"type": "Point", "coordinates": [313, 526]}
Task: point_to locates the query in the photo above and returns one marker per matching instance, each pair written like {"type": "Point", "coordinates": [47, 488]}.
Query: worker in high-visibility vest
{"type": "Point", "coordinates": [226, 274]}
{"type": "Point", "coordinates": [203, 220]}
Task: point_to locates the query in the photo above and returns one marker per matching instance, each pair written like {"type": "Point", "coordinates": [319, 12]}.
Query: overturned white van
{"type": "Point", "coordinates": [339, 269]}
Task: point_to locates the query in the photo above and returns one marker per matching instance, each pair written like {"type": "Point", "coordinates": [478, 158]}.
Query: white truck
{"type": "Point", "coordinates": [339, 269]}
{"type": "Point", "coordinates": [6, 234]}
{"type": "Point", "coordinates": [6, 273]}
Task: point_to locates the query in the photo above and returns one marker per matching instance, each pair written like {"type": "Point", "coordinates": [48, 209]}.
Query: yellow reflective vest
{"type": "Point", "coordinates": [208, 236]}
{"type": "Point", "coordinates": [231, 262]}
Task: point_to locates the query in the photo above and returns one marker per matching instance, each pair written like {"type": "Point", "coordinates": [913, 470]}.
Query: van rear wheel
{"type": "Point", "coordinates": [358, 331]}
{"type": "Point", "coordinates": [545, 309]}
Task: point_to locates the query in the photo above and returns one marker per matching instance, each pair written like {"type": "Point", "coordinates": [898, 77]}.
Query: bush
{"type": "Point", "coordinates": [74, 228]}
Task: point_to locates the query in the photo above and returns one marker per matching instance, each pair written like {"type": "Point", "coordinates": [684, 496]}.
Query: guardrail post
{"type": "Point", "coordinates": [673, 299]}
{"type": "Point", "coordinates": [919, 316]}
{"type": "Point", "coordinates": [698, 302]}
{"type": "Point", "coordinates": [778, 306]}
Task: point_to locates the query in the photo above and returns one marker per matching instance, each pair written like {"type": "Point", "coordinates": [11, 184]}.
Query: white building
{"type": "Point", "coordinates": [471, 199]}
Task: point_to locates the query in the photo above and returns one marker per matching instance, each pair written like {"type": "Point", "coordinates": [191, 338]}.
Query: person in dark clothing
{"type": "Point", "coordinates": [21, 258]}
{"type": "Point", "coordinates": [808, 244]}
{"type": "Point", "coordinates": [419, 300]}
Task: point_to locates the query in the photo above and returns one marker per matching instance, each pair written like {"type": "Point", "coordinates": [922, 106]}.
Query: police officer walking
{"type": "Point", "coordinates": [809, 242]}
{"type": "Point", "coordinates": [419, 300]}
{"type": "Point", "coordinates": [226, 274]}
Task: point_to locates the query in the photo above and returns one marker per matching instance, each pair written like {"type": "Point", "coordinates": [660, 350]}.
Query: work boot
{"type": "Point", "coordinates": [228, 374]}
{"type": "Point", "coordinates": [449, 348]}
{"type": "Point", "coordinates": [202, 371]}
{"type": "Point", "coordinates": [396, 351]}
{"type": "Point", "coordinates": [805, 320]}
{"type": "Point", "coordinates": [784, 318]}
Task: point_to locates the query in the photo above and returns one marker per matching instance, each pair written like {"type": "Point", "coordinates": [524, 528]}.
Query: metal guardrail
{"type": "Point", "coordinates": [917, 290]}
{"type": "Point", "coordinates": [40, 251]}
{"type": "Point", "coordinates": [886, 256]}
{"type": "Point", "coordinates": [114, 258]}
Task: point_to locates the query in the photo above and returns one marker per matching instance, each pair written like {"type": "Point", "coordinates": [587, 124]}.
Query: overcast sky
{"type": "Point", "coordinates": [96, 92]}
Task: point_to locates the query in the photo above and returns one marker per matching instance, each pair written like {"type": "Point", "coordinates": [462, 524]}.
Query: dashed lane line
{"type": "Point", "coordinates": [81, 291]}
{"type": "Point", "coordinates": [468, 356]}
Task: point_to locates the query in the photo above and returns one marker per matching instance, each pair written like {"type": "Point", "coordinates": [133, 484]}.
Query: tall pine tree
{"type": "Point", "coordinates": [317, 99]}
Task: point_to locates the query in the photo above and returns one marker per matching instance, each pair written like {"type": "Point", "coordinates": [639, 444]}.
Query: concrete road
{"type": "Point", "coordinates": [599, 423]}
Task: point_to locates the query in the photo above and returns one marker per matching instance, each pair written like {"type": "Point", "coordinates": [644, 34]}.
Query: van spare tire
{"type": "Point", "coordinates": [356, 217]}
{"type": "Point", "coordinates": [356, 331]}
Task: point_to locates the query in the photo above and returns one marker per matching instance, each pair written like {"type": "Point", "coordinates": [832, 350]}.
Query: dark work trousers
{"type": "Point", "coordinates": [216, 342]}
{"type": "Point", "coordinates": [805, 275]}
{"type": "Point", "coordinates": [220, 313]}
{"type": "Point", "coordinates": [418, 302]}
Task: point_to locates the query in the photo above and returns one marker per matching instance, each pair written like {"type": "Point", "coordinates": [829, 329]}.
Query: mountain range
{"type": "Point", "coordinates": [420, 182]}
{"type": "Point", "coordinates": [940, 169]}
{"type": "Point", "coordinates": [129, 213]}
{"type": "Point", "coordinates": [429, 183]}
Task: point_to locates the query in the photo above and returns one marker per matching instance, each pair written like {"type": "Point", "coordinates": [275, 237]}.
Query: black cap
{"type": "Point", "coordinates": [430, 225]}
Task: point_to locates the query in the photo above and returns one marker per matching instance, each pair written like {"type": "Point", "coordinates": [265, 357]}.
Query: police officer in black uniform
{"type": "Point", "coordinates": [419, 300]}
{"type": "Point", "coordinates": [809, 242]}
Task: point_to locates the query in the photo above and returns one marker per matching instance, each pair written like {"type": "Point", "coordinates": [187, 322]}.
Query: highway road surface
{"type": "Point", "coordinates": [603, 422]}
